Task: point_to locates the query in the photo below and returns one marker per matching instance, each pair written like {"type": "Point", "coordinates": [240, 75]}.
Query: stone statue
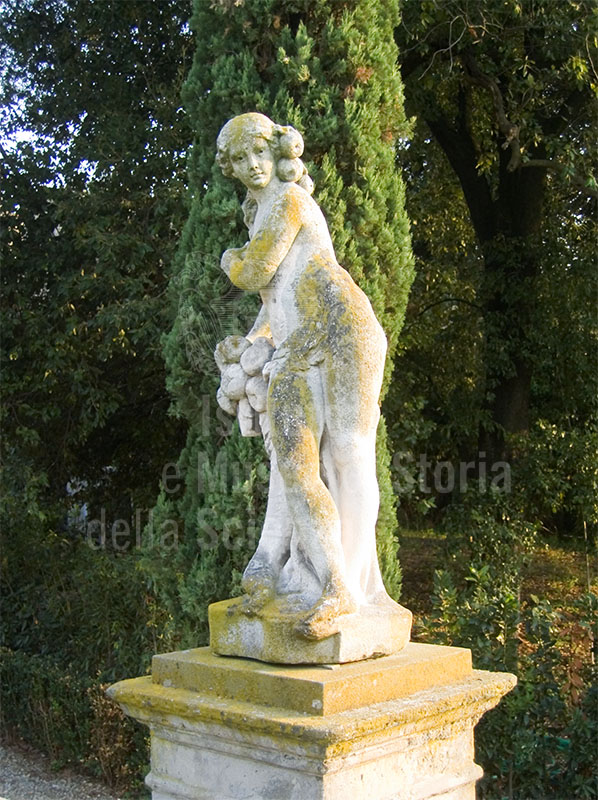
{"type": "Point", "coordinates": [307, 377]}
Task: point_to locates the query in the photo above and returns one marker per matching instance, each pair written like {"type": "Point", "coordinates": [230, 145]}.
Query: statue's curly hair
{"type": "Point", "coordinates": [285, 142]}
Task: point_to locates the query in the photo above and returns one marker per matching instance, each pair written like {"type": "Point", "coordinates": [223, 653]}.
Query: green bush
{"type": "Point", "coordinates": [67, 716]}
{"type": "Point", "coordinates": [73, 620]}
{"type": "Point", "coordinates": [489, 531]}
{"type": "Point", "coordinates": [85, 607]}
{"type": "Point", "coordinates": [540, 742]}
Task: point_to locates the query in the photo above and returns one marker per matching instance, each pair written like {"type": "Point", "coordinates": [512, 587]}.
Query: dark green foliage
{"type": "Point", "coordinates": [92, 178]}
{"type": "Point", "coordinates": [74, 619]}
{"type": "Point", "coordinates": [68, 717]}
{"type": "Point", "coordinates": [218, 527]}
{"type": "Point", "coordinates": [82, 606]}
{"type": "Point", "coordinates": [91, 204]}
{"type": "Point", "coordinates": [500, 342]}
{"type": "Point", "coordinates": [507, 93]}
{"type": "Point", "coordinates": [39, 700]}
{"type": "Point", "coordinates": [327, 70]}
{"type": "Point", "coordinates": [540, 743]}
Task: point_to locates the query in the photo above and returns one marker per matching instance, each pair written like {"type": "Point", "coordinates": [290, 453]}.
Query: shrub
{"type": "Point", "coordinates": [540, 742]}
{"type": "Point", "coordinates": [67, 716]}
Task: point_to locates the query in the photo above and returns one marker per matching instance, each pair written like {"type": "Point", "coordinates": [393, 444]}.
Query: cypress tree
{"type": "Point", "coordinates": [328, 69]}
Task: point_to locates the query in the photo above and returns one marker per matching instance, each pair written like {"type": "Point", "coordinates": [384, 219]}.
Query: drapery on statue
{"type": "Point", "coordinates": [307, 377]}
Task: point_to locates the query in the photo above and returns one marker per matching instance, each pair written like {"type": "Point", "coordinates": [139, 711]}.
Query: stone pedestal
{"type": "Point", "coordinates": [398, 727]}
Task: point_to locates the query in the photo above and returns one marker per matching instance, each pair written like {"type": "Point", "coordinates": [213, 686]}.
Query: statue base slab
{"type": "Point", "coordinates": [374, 631]}
{"type": "Point", "coordinates": [394, 728]}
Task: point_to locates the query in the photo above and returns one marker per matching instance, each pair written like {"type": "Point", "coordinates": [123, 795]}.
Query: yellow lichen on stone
{"type": "Point", "coordinates": [270, 635]}
{"type": "Point", "coordinates": [451, 703]}
{"type": "Point", "coordinates": [316, 690]}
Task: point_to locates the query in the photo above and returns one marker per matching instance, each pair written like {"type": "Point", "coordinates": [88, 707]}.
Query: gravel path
{"type": "Point", "coordinates": [27, 775]}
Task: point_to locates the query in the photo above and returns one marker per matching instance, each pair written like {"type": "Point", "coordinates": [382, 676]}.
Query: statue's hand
{"type": "Point", "coordinates": [234, 254]}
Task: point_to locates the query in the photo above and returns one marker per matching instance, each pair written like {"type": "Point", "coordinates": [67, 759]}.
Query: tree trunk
{"type": "Point", "coordinates": [507, 227]}
{"type": "Point", "coordinates": [511, 263]}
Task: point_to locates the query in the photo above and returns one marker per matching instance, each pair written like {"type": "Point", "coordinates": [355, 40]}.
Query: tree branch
{"type": "Point", "coordinates": [546, 163]}
{"type": "Point", "coordinates": [461, 154]}
{"type": "Point", "coordinates": [441, 302]}
{"type": "Point", "coordinates": [509, 129]}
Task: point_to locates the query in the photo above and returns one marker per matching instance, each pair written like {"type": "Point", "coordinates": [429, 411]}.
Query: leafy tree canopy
{"type": "Point", "coordinates": [506, 92]}
{"type": "Point", "coordinates": [93, 145]}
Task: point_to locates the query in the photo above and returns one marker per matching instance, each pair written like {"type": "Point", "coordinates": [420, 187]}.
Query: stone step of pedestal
{"type": "Point", "coordinates": [316, 690]}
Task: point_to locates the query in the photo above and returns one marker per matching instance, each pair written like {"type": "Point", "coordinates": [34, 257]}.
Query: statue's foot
{"type": "Point", "coordinates": [323, 620]}
{"type": "Point", "coordinates": [258, 584]}
{"type": "Point", "coordinates": [253, 604]}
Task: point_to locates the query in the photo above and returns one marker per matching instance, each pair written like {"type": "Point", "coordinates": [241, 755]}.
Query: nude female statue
{"type": "Point", "coordinates": [317, 550]}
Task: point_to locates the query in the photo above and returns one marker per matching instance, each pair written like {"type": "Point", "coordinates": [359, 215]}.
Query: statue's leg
{"type": "Point", "coordinates": [352, 387]}
{"type": "Point", "coordinates": [262, 572]}
{"type": "Point", "coordinates": [296, 411]}
{"type": "Point", "coordinates": [358, 498]}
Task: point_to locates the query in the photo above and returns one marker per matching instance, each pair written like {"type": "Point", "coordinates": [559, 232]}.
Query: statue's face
{"type": "Point", "coordinates": [251, 160]}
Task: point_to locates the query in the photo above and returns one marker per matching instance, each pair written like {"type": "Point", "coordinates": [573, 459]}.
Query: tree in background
{"type": "Point", "coordinates": [93, 175]}
{"type": "Point", "coordinates": [507, 90]}
{"type": "Point", "coordinates": [504, 95]}
{"type": "Point", "coordinates": [330, 71]}
{"type": "Point", "coordinates": [498, 358]}
{"type": "Point", "coordinates": [93, 161]}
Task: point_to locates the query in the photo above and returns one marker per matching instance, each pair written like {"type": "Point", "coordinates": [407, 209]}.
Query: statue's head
{"type": "Point", "coordinates": [255, 131]}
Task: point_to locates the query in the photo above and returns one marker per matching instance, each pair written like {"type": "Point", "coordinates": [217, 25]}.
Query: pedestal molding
{"type": "Point", "coordinates": [145, 700]}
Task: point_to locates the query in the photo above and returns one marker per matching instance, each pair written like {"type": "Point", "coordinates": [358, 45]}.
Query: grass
{"type": "Point", "coordinates": [557, 570]}
{"type": "Point", "coordinates": [421, 553]}
{"type": "Point", "coordinates": [560, 570]}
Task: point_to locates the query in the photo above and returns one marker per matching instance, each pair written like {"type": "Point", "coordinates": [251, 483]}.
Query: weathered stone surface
{"type": "Point", "coordinates": [230, 350]}
{"type": "Point", "coordinates": [225, 403]}
{"type": "Point", "coordinates": [252, 731]}
{"type": "Point", "coordinates": [257, 393]}
{"type": "Point", "coordinates": [372, 631]}
{"type": "Point", "coordinates": [255, 357]}
{"type": "Point", "coordinates": [233, 381]}
{"type": "Point", "coordinates": [311, 369]}
{"type": "Point", "coordinates": [318, 690]}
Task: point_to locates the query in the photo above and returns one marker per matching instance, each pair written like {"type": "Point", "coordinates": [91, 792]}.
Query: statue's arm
{"type": "Point", "coordinates": [253, 266]}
